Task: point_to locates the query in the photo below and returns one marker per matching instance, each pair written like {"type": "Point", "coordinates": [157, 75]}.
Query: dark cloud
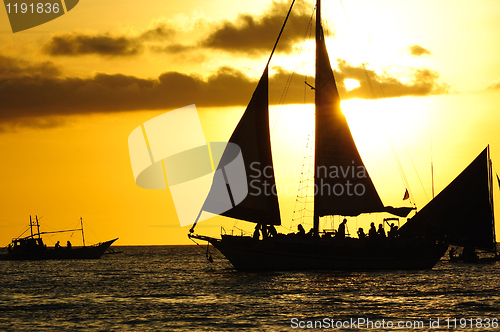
{"type": "Point", "coordinates": [160, 30]}
{"type": "Point", "coordinates": [417, 50]}
{"type": "Point", "coordinates": [83, 43]}
{"type": "Point", "coordinates": [252, 35]}
{"type": "Point", "coordinates": [422, 82]}
{"type": "Point", "coordinates": [25, 98]}
{"type": "Point", "coordinates": [246, 34]}
{"type": "Point", "coordinates": [10, 68]}
{"type": "Point", "coordinates": [175, 49]}
{"type": "Point", "coordinates": [45, 122]}
{"type": "Point", "coordinates": [118, 81]}
{"type": "Point", "coordinates": [79, 43]}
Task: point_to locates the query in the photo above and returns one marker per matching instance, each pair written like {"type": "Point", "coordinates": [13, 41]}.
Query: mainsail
{"type": "Point", "coordinates": [342, 184]}
{"type": "Point", "coordinates": [463, 211]}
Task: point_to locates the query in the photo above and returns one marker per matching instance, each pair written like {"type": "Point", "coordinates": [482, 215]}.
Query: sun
{"type": "Point", "coordinates": [351, 84]}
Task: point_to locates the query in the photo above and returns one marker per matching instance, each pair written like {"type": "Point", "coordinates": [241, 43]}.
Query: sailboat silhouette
{"type": "Point", "coordinates": [334, 149]}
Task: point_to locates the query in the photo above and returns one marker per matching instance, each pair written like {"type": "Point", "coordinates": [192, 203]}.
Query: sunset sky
{"type": "Point", "coordinates": [73, 89]}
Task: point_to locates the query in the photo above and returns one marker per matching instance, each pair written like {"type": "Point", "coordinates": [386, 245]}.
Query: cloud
{"type": "Point", "coordinates": [11, 68]}
{"type": "Point", "coordinates": [417, 50]}
{"type": "Point", "coordinates": [51, 94]}
{"type": "Point", "coordinates": [251, 35]}
{"type": "Point", "coordinates": [174, 48]}
{"type": "Point", "coordinates": [158, 30]}
{"type": "Point", "coordinates": [246, 35]}
{"type": "Point", "coordinates": [45, 122]}
{"type": "Point", "coordinates": [421, 82]}
{"type": "Point", "coordinates": [78, 43]}
{"type": "Point", "coordinates": [84, 43]}
{"type": "Point", "coordinates": [58, 96]}
{"type": "Point", "coordinates": [494, 86]}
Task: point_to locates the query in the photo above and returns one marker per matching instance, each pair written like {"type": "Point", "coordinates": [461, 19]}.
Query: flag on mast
{"type": "Point", "coordinates": [407, 194]}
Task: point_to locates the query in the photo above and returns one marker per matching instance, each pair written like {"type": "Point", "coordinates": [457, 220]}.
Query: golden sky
{"type": "Point", "coordinates": [73, 89]}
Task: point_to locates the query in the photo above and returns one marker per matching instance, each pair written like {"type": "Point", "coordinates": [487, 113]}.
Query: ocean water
{"type": "Point", "coordinates": [175, 288]}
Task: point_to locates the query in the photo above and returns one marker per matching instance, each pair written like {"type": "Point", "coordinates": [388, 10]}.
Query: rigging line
{"type": "Point", "coordinates": [370, 82]}
{"type": "Point", "coordinates": [200, 245]}
{"type": "Point", "coordinates": [281, 31]}
{"type": "Point", "coordinates": [282, 98]}
{"type": "Point", "coordinates": [305, 179]}
{"type": "Point", "coordinates": [88, 227]}
{"type": "Point", "coordinates": [213, 254]}
{"type": "Point", "coordinates": [274, 48]}
{"type": "Point", "coordinates": [415, 168]}
{"type": "Point", "coordinates": [27, 229]}
{"type": "Point", "coordinates": [402, 173]}
{"type": "Point", "coordinates": [400, 168]}
{"type": "Point", "coordinates": [345, 13]}
{"type": "Point", "coordinates": [409, 155]}
{"type": "Point", "coordinates": [18, 237]}
{"type": "Point", "coordinates": [398, 162]}
{"type": "Point", "coordinates": [234, 224]}
{"type": "Point", "coordinates": [290, 77]}
{"type": "Point", "coordinates": [393, 148]}
{"type": "Point", "coordinates": [300, 182]}
{"type": "Point", "coordinates": [303, 187]}
{"type": "Point", "coordinates": [68, 225]}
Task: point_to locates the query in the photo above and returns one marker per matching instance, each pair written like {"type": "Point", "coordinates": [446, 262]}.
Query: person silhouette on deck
{"type": "Point", "coordinates": [341, 231]}
{"type": "Point", "coordinates": [256, 232]}
{"type": "Point", "coordinates": [68, 244]}
{"type": "Point", "coordinates": [393, 232]}
{"type": "Point", "coordinates": [302, 231]}
{"type": "Point", "coordinates": [265, 233]}
{"type": "Point", "coordinates": [361, 233]}
{"type": "Point", "coordinates": [57, 246]}
{"type": "Point", "coordinates": [381, 231]}
{"type": "Point", "coordinates": [272, 231]}
{"type": "Point", "coordinates": [372, 233]}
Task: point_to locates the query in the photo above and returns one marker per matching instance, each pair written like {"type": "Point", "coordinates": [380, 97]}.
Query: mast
{"type": "Point", "coordinates": [490, 185]}
{"type": "Point", "coordinates": [83, 236]}
{"type": "Point", "coordinates": [318, 36]}
{"type": "Point", "coordinates": [31, 226]}
{"type": "Point", "coordinates": [37, 226]}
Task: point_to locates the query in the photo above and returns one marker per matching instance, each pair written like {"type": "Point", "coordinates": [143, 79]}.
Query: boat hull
{"type": "Point", "coordinates": [293, 253]}
{"type": "Point", "coordinates": [37, 253]}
